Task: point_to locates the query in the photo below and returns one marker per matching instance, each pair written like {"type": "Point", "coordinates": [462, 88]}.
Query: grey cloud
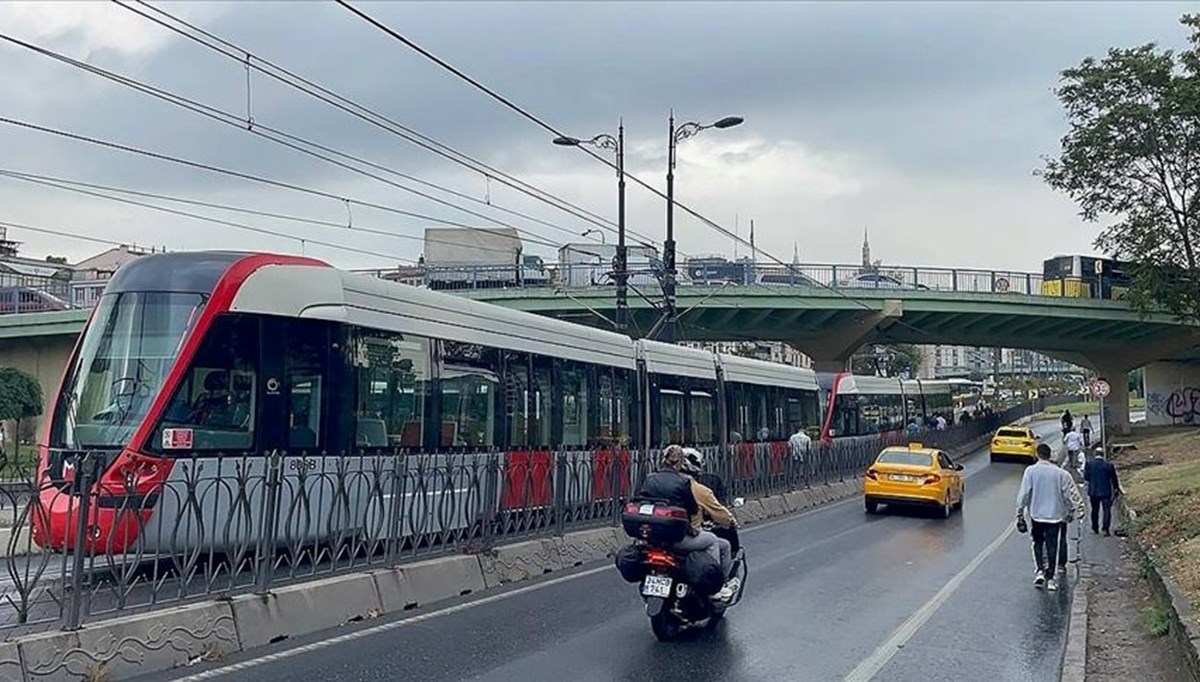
{"type": "Point", "coordinates": [939, 91]}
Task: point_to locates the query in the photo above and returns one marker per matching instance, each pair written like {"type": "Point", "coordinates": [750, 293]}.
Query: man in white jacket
{"type": "Point", "coordinates": [1053, 500]}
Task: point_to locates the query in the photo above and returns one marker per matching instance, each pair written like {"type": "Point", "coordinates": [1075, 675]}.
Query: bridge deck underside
{"type": "Point", "coordinates": [764, 313]}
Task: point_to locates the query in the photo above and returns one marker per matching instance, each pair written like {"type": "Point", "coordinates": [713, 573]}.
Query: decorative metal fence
{"type": "Point", "coordinates": [78, 549]}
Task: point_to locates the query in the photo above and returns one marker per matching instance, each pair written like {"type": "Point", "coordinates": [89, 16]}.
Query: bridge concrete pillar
{"type": "Point", "coordinates": [831, 352]}
{"type": "Point", "coordinates": [831, 366]}
{"type": "Point", "coordinates": [1172, 394]}
{"type": "Point", "coordinates": [1114, 366]}
{"type": "Point", "coordinates": [1116, 405]}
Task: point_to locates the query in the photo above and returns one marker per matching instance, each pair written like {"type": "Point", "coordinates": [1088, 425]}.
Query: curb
{"type": "Point", "coordinates": [1184, 626]}
{"type": "Point", "coordinates": [1074, 668]}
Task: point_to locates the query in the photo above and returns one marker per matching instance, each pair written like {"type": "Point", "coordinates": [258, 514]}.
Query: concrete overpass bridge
{"type": "Point", "coordinates": [827, 323]}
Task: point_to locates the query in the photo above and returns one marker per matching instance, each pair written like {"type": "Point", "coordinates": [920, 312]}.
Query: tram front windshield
{"type": "Point", "coordinates": [127, 351]}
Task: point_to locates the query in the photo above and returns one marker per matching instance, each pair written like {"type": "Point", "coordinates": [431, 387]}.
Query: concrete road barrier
{"type": "Point", "coordinates": [443, 578]}
{"type": "Point", "coordinates": [520, 561]}
{"type": "Point", "coordinates": [305, 607]}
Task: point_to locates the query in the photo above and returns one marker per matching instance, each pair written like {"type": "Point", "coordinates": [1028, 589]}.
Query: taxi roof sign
{"type": "Point", "coordinates": [916, 445]}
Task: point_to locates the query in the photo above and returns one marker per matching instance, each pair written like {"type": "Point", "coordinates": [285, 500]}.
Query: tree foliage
{"type": "Point", "coordinates": [1132, 155]}
{"type": "Point", "coordinates": [20, 395]}
{"type": "Point", "coordinates": [890, 360]}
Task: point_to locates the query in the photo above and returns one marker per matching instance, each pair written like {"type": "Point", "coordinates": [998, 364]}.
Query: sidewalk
{"type": "Point", "coordinates": [1119, 644]}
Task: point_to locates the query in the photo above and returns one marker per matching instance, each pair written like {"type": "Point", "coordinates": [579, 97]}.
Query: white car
{"type": "Point", "coordinates": [874, 280]}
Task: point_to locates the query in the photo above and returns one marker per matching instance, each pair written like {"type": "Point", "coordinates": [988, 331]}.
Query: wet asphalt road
{"type": "Point", "coordinates": [830, 593]}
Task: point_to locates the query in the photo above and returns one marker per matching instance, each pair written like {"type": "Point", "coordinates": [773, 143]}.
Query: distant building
{"type": "Point", "coordinates": [92, 274]}
{"type": "Point", "coordinates": [943, 362]}
{"type": "Point", "coordinates": [769, 351]}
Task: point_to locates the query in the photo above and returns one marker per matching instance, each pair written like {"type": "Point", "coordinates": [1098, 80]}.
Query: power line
{"type": "Point", "coordinates": [549, 128]}
{"type": "Point", "coordinates": [218, 221]}
{"type": "Point", "coordinates": [232, 173]}
{"type": "Point", "coordinates": [62, 233]}
{"type": "Point", "coordinates": [251, 61]}
{"type": "Point", "coordinates": [538, 121]}
{"type": "Point", "coordinates": [288, 140]}
{"type": "Point", "coordinates": [66, 184]}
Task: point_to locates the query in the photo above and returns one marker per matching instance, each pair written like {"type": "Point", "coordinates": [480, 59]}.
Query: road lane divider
{"type": "Point", "coordinates": [873, 664]}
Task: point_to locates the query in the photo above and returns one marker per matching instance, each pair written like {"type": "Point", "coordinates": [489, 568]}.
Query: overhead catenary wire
{"type": "Point", "coordinates": [63, 233]}
{"type": "Point", "coordinates": [228, 223]}
{"type": "Point", "coordinates": [250, 60]}
{"type": "Point", "coordinates": [230, 172]}
{"type": "Point", "coordinates": [556, 132]}
{"type": "Point", "coordinates": [63, 183]}
{"type": "Point", "coordinates": [283, 138]}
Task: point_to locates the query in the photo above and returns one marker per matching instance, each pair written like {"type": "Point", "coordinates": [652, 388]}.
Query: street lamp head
{"type": "Point", "coordinates": [728, 122]}
{"type": "Point", "coordinates": [565, 141]}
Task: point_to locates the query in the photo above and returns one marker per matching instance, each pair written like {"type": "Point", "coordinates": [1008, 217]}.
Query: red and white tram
{"type": "Point", "coordinates": [865, 405]}
{"type": "Point", "coordinates": [222, 357]}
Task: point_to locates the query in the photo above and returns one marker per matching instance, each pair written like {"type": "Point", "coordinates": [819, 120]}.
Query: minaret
{"type": "Point", "coordinates": [795, 253]}
{"type": "Point", "coordinates": [866, 251]}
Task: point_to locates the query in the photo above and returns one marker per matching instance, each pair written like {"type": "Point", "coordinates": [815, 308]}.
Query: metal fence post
{"type": "Point", "coordinates": [396, 509]}
{"type": "Point", "coordinates": [560, 493]}
{"type": "Point", "coordinates": [491, 495]}
{"type": "Point", "coordinates": [954, 280]}
{"type": "Point", "coordinates": [83, 480]}
{"type": "Point", "coordinates": [270, 512]}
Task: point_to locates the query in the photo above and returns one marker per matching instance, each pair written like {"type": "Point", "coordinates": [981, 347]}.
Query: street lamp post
{"type": "Point", "coordinates": [675, 136]}
{"type": "Point", "coordinates": [620, 259]}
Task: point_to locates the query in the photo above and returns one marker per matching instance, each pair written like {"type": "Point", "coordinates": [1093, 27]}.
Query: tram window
{"type": "Point", "coordinates": [847, 410]}
{"type": "Point", "coordinates": [670, 409]}
{"type": "Point", "coordinates": [215, 402]}
{"type": "Point", "coordinates": [623, 387]}
{"type": "Point", "coordinates": [392, 371]}
{"type": "Point", "coordinates": [518, 397]}
{"type": "Point", "coordinates": [702, 417]}
{"type": "Point", "coordinates": [541, 416]}
{"type": "Point", "coordinates": [573, 379]}
{"type": "Point", "coordinates": [305, 366]}
{"type": "Point", "coordinates": [468, 407]}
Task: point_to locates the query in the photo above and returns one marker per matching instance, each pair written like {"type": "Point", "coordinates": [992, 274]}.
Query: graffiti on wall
{"type": "Point", "coordinates": [1181, 406]}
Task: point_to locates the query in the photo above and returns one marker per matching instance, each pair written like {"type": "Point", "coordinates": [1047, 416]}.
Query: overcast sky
{"type": "Point", "coordinates": [921, 122]}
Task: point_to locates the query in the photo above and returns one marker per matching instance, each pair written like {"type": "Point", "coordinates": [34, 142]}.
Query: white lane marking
{"type": "Point", "coordinates": [359, 634]}
{"type": "Point", "coordinates": [877, 660]}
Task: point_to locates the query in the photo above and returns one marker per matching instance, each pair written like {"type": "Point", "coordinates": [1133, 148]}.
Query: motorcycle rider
{"type": "Point", "coordinates": [694, 467]}
{"type": "Point", "coordinates": [670, 485]}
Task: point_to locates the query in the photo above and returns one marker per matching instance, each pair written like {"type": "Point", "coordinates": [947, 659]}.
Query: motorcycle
{"type": "Point", "coordinates": [672, 602]}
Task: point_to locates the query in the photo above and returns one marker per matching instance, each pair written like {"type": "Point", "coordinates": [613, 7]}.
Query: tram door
{"type": "Point", "coordinates": [321, 492]}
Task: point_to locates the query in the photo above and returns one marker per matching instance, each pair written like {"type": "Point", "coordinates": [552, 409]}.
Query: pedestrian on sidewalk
{"type": "Point", "coordinates": [1085, 427]}
{"type": "Point", "coordinates": [1052, 500]}
{"type": "Point", "coordinates": [1102, 486]}
{"type": "Point", "coordinates": [1073, 444]}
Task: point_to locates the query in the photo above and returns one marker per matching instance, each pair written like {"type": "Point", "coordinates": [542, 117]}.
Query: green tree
{"type": "Point", "coordinates": [20, 396]}
{"type": "Point", "coordinates": [887, 360]}
{"type": "Point", "coordinates": [1132, 154]}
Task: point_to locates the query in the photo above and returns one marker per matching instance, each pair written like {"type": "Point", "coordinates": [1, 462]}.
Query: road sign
{"type": "Point", "coordinates": [1101, 388]}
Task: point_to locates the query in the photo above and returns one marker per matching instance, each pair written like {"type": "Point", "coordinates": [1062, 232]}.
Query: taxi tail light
{"type": "Point", "coordinates": [872, 474]}
{"type": "Point", "coordinates": [931, 479]}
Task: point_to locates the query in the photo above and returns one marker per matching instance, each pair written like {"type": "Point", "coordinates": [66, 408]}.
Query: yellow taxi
{"type": "Point", "coordinates": [914, 475]}
{"type": "Point", "coordinates": [1014, 442]}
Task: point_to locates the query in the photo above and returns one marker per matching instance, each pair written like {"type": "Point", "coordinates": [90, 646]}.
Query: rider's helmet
{"type": "Point", "coordinates": [693, 460]}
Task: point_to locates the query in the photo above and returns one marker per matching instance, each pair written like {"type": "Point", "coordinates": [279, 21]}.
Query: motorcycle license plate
{"type": "Point", "coordinates": [656, 586]}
